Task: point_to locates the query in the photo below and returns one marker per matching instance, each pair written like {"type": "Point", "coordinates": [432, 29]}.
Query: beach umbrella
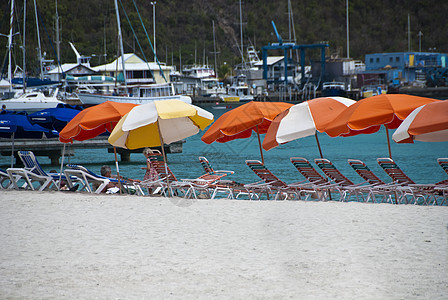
{"type": "Point", "coordinates": [158, 123]}
{"type": "Point", "coordinates": [240, 122]}
{"type": "Point", "coordinates": [304, 119]}
{"type": "Point", "coordinates": [55, 118]}
{"type": "Point", "coordinates": [368, 115]}
{"type": "Point", "coordinates": [427, 123]}
{"type": "Point", "coordinates": [15, 125]}
{"type": "Point", "coordinates": [93, 121]}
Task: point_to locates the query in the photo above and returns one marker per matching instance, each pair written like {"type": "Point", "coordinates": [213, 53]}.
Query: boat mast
{"type": "Point", "coordinates": [120, 38]}
{"type": "Point", "coordinates": [58, 42]}
{"type": "Point", "coordinates": [24, 52]}
{"type": "Point", "coordinates": [348, 41]}
{"type": "Point", "coordinates": [214, 48]}
{"type": "Point", "coordinates": [38, 42]}
{"type": "Point", "coordinates": [241, 34]}
{"type": "Point", "coordinates": [10, 45]}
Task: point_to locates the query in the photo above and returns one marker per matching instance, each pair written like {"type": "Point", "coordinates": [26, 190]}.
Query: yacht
{"type": "Point", "coordinates": [32, 101]}
{"type": "Point", "coordinates": [238, 92]}
{"type": "Point", "coordinates": [140, 94]}
{"type": "Point", "coordinates": [211, 87]}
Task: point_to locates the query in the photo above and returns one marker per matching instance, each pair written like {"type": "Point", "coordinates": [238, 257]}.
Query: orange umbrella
{"type": "Point", "coordinates": [94, 120]}
{"type": "Point", "coordinates": [367, 115]}
{"type": "Point", "coordinates": [304, 119]}
{"type": "Point", "coordinates": [241, 121]}
{"type": "Point", "coordinates": [427, 123]}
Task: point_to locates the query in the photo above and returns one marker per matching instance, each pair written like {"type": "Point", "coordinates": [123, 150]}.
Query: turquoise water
{"type": "Point", "coordinates": [419, 160]}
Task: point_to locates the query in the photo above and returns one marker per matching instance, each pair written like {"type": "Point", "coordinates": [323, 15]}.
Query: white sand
{"type": "Point", "coordinates": [58, 245]}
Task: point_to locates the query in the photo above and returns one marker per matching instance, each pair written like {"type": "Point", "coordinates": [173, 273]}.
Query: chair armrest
{"type": "Point", "coordinates": [225, 172]}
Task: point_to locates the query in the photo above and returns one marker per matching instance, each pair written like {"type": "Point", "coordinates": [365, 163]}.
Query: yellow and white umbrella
{"type": "Point", "coordinates": [158, 123]}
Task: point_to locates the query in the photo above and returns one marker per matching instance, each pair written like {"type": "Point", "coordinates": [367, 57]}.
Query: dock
{"type": "Point", "coordinates": [53, 148]}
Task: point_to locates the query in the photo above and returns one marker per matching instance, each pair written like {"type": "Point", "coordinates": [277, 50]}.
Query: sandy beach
{"type": "Point", "coordinates": [58, 245]}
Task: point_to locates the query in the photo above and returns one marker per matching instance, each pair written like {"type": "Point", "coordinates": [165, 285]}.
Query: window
{"type": "Point", "coordinates": [397, 59]}
{"type": "Point", "coordinates": [371, 60]}
{"type": "Point", "coordinates": [377, 59]}
{"type": "Point", "coordinates": [391, 59]}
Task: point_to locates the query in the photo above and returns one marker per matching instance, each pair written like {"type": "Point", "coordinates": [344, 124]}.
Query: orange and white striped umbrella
{"type": "Point", "coordinates": [304, 119]}
{"type": "Point", "coordinates": [427, 123]}
{"type": "Point", "coordinates": [368, 115]}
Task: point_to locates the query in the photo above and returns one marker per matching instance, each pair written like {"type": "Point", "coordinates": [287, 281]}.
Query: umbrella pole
{"type": "Point", "coordinates": [259, 145]}
{"type": "Point", "coordinates": [116, 163]}
{"type": "Point", "coordinates": [318, 145]}
{"type": "Point", "coordinates": [164, 159]}
{"type": "Point", "coordinates": [12, 150]}
{"type": "Point", "coordinates": [62, 165]}
{"type": "Point", "coordinates": [388, 141]}
{"type": "Point", "coordinates": [118, 170]}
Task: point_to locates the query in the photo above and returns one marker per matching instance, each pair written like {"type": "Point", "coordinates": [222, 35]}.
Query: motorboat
{"type": "Point", "coordinates": [238, 92]}
{"type": "Point", "coordinates": [333, 89]}
{"type": "Point", "coordinates": [32, 101]}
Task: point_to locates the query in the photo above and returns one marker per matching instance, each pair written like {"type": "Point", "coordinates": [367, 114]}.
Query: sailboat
{"type": "Point", "coordinates": [239, 91]}
{"type": "Point", "coordinates": [29, 101]}
{"type": "Point", "coordinates": [137, 94]}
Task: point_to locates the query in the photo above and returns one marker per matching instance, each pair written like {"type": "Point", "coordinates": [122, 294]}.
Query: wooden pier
{"type": "Point", "coordinates": [53, 148]}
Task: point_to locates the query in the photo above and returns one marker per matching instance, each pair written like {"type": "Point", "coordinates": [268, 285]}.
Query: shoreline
{"type": "Point", "coordinates": [77, 245]}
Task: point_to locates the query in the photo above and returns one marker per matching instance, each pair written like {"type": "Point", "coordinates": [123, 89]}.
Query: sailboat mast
{"type": "Point", "coordinates": [39, 52]}
{"type": "Point", "coordinates": [214, 48]}
{"type": "Point", "coordinates": [10, 45]}
{"type": "Point", "coordinates": [348, 36]}
{"type": "Point", "coordinates": [58, 42]}
{"type": "Point", "coordinates": [23, 50]}
{"type": "Point", "coordinates": [241, 34]}
{"type": "Point", "coordinates": [120, 38]}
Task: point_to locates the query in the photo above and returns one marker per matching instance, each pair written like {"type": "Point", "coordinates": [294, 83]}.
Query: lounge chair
{"type": "Point", "coordinates": [5, 180]}
{"type": "Point", "coordinates": [416, 191]}
{"type": "Point", "coordinates": [319, 183]}
{"type": "Point", "coordinates": [379, 187]}
{"type": "Point", "coordinates": [93, 183]}
{"type": "Point", "coordinates": [346, 185]}
{"type": "Point", "coordinates": [209, 169]}
{"type": "Point", "coordinates": [229, 187]}
{"type": "Point", "coordinates": [33, 173]}
{"type": "Point", "coordinates": [442, 186]}
{"type": "Point", "coordinates": [90, 182]}
{"type": "Point", "coordinates": [443, 163]}
{"type": "Point", "coordinates": [271, 184]}
{"type": "Point", "coordinates": [169, 183]}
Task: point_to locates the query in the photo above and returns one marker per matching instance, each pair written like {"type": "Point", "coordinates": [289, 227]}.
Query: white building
{"type": "Point", "coordinates": [137, 70]}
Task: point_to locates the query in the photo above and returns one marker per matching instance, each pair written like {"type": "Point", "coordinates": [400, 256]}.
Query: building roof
{"type": "Point", "coordinates": [68, 67]}
{"type": "Point", "coordinates": [133, 63]}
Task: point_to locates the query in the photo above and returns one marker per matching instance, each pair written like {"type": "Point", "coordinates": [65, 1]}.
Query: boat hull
{"type": "Point", "coordinates": [29, 104]}
{"type": "Point", "coordinates": [93, 99]}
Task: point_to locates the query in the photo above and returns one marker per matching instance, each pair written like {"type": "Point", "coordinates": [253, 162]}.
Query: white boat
{"type": "Point", "coordinates": [135, 94]}
{"type": "Point", "coordinates": [211, 87]}
{"type": "Point", "coordinates": [238, 92]}
{"type": "Point", "coordinates": [198, 72]}
{"type": "Point", "coordinates": [31, 101]}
